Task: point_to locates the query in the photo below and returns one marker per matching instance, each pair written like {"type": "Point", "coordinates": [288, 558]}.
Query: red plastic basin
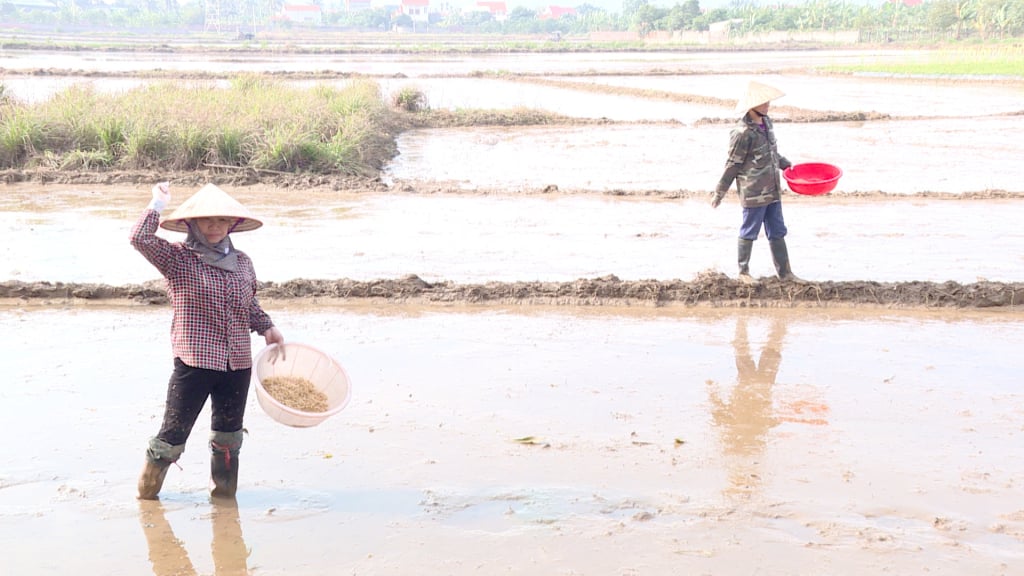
{"type": "Point", "coordinates": [812, 178]}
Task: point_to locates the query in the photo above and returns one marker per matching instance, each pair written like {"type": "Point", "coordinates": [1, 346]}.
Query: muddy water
{"type": "Point", "coordinates": [947, 136]}
{"type": "Point", "coordinates": [562, 95]}
{"type": "Point", "coordinates": [537, 440]}
{"type": "Point", "coordinates": [900, 157]}
{"type": "Point", "coordinates": [658, 442]}
{"type": "Point", "coordinates": [80, 234]}
{"type": "Point", "coordinates": [430, 64]}
{"type": "Point", "coordinates": [855, 93]}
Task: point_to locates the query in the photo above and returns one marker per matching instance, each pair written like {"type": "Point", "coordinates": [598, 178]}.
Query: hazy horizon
{"type": "Point", "coordinates": [615, 6]}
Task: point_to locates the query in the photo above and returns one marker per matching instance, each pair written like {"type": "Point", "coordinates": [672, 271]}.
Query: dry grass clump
{"type": "Point", "coordinates": [409, 99]}
{"type": "Point", "coordinates": [296, 392]}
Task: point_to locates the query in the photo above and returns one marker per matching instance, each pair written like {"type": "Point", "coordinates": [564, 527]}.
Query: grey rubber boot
{"type": "Point", "coordinates": [744, 248]}
{"type": "Point", "coordinates": [224, 448]}
{"type": "Point", "coordinates": [159, 457]}
{"type": "Point", "coordinates": [780, 255]}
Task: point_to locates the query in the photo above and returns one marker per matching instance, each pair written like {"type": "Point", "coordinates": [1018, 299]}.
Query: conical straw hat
{"type": "Point", "coordinates": [210, 201]}
{"type": "Point", "coordinates": [756, 95]}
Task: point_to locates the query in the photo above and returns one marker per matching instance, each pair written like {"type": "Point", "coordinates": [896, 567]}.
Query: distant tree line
{"type": "Point", "coordinates": [951, 19]}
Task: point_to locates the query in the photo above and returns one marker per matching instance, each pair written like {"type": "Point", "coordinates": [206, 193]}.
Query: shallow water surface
{"type": "Point", "coordinates": [80, 234]}
{"type": "Point", "coordinates": [946, 136]}
{"type": "Point", "coordinates": [896, 156]}
{"type": "Point", "coordinates": [854, 93]}
{"type": "Point", "coordinates": [432, 64]}
{"type": "Point", "coordinates": [534, 440]}
{"type": "Point", "coordinates": [861, 440]}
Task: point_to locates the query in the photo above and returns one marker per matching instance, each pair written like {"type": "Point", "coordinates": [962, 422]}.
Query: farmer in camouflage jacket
{"type": "Point", "coordinates": [754, 163]}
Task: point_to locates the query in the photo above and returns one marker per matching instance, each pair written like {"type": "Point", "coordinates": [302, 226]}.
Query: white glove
{"type": "Point", "coordinates": [161, 196]}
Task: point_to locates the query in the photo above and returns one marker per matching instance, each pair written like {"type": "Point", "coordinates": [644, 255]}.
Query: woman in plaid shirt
{"type": "Point", "coordinates": [212, 289]}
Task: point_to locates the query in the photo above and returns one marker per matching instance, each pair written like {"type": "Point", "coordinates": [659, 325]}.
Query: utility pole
{"type": "Point", "coordinates": [212, 20]}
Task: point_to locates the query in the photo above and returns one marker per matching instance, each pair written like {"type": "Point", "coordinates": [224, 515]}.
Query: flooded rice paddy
{"type": "Point", "coordinates": [556, 238]}
{"type": "Point", "coordinates": [419, 65]}
{"type": "Point", "coordinates": [897, 157]}
{"type": "Point", "coordinates": [598, 440]}
{"type": "Point", "coordinates": [584, 441]}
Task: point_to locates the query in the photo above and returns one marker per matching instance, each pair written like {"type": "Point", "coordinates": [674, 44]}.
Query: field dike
{"type": "Point", "coordinates": [707, 289]}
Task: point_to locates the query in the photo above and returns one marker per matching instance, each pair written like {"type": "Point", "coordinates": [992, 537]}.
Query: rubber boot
{"type": "Point", "coordinates": [780, 255]}
{"type": "Point", "coordinates": [745, 247]}
{"type": "Point", "coordinates": [152, 478]}
{"type": "Point", "coordinates": [159, 457]}
{"type": "Point", "coordinates": [224, 448]}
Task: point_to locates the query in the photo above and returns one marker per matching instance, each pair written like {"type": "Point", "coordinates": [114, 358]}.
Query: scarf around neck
{"type": "Point", "coordinates": [222, 254]}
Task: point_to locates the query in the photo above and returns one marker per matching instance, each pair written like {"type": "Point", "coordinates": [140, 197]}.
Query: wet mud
{"type": "Point", "coordinates": [711, 289]}
{"type": "Point", "coordinates": [354, 184]}
{"type": "Point", "coordinates": [707, 289]}
{"type": "Point", "coordinates": [599, 440]}
{"type": "Point", "coordinates": [589, 426]}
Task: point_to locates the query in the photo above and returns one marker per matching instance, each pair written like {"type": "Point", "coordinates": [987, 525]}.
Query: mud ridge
{"type": "Point", "coordinates": [706, 289]}
{"type": "Point", "coordinates": [539, 76]}
{"type": "Point", "coordinates": [374, 184]}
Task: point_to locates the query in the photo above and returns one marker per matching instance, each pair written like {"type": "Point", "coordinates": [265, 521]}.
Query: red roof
{"type": "Point", "coordinates": [493, 7]}
{"type": "Point", "coordinates": [559, 11]}
{"type": "Point", "coordinates": [415, 2]}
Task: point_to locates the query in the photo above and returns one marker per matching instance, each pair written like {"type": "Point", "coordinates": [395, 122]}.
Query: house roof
{"type": "Point", "coordinates": [301, 8]}
{"type": "Point", "coordinates": [415, 2]}
{"type": "Point", "coordinates": [559, 11]}
{"type": "Point", "coordinates": [493, 7]}
{"type": "Point", "coordinates": [36, 4]}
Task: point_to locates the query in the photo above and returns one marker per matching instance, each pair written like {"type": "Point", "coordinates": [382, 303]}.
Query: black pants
{"type": "Point", "coordinates": [187, 392]}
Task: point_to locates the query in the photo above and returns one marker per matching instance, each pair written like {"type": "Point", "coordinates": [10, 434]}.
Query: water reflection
{"type": "Point", "coordinates": [756, 405]}
{"type": "Point", "coordinates": [743, 421]}
{"type": "Point", "coordinates": [168, 555]}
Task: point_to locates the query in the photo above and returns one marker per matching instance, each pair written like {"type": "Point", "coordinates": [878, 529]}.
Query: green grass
{"type": "Point", "coordinates": [255, 122]}
{"type": "Point", "coordinates": [999, 61]}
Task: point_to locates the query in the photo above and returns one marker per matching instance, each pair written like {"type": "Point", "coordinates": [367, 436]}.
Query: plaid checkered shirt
{"type": "Point", "coordinates": [214, 309]}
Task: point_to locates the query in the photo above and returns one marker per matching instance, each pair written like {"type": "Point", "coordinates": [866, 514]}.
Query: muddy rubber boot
{"type": "Point", "coordinates": [224, 447]}
{"type": "Point", "coordinates": [159, 457]}
{"type": "Point", "coordinates": [780, 255]}
{"type": "Point", "coordinates": [152, 478]}
{"type": "Point", "coordinates": [744, 248]}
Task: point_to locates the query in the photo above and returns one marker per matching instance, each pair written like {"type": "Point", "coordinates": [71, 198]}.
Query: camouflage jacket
{"type": "Point", "coordinates": [754, 163]}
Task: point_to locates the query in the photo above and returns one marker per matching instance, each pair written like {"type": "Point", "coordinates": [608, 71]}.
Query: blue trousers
{"type": "Point", "coordinates": [769, 216]}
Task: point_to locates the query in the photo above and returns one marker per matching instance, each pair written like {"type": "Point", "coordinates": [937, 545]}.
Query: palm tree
{"type": "Point", "coordinates": [965, 12]}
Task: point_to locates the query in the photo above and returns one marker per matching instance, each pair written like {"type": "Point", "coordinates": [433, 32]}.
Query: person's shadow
{"type": "Point", "coordinates": [168, 555]}
{"type": "Point", "coordinates": [744, 420]}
